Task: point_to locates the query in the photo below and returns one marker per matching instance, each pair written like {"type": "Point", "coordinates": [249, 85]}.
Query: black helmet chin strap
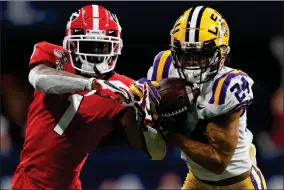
{"type": "Point", "coordinates": [96, 70]}
{"type": "Point", "coordinates": [76, 59]}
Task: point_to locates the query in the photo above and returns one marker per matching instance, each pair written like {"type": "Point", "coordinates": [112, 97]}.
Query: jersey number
{"type": "Point", "coordinates": [75, 101]}
{"type": "Point", "coordinates": [240, 89]}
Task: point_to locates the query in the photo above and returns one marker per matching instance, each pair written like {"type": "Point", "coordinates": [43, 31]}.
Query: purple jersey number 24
{"type": "Point", "coordinates": [240, 88]}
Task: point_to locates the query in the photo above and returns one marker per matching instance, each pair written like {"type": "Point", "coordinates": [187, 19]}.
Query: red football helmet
{"type": "Point", "coordinates": [93, 40]}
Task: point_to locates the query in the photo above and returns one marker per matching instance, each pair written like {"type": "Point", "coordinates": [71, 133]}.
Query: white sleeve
{"type": "Point", "coordinates": [44, 81]}
{"type": "Point", "coordinates": [160, 68]}
{"type": "Point", "coordinates": [249, 136]}
{"type": "Point", "coordinates": [156, 144]}
{"type": "Point", "coordinates": [150, 73]}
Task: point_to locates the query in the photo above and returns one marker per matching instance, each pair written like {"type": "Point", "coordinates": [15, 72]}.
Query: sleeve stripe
{"type": "Point", "coordinates": [212, 99]}
{"type": "Point", "coordinates": [242, 106]}
{"type": "Point", "coordinates": [155, 65]}
{"type": "Point", "coordinates": [167, 66]}
{"type": "Point", "coordinates": [162, 66]}
{"type": "Point", "coordinates": [220, 87]}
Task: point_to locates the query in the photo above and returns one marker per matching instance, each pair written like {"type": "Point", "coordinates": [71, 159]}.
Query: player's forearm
{"type": "Point", "coordinates": [201, 153]}
{"type": "Point", "coordinates": [49, 80]}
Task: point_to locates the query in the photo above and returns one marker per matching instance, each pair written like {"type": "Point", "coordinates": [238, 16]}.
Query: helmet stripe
{"type": "Point", "coordinates": [198, 24]}
{"type": "Point", "coordinates": [188, 24]}
{"type": "Point", "coordinates": [95, 15]}
{"type": "Point", "coordinates": [193, 22]}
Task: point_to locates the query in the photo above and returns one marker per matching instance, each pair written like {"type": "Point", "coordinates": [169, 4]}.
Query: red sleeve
{"type": "Point", "coordinates": [42, 53]}
{"type": "Point", "coordinates": [124, 79]}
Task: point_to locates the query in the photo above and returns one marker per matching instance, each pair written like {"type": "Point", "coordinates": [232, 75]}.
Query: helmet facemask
{"type": "Point", "coordinates": [94, 53]}
{"type": "Point", "coordinates": [198, 65]}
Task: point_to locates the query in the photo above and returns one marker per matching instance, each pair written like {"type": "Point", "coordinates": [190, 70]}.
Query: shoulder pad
{"type": "Point", "coordinates": [231, 91]}
{"type": "Point", "coordinates": [47, 45]}
{"type": "Point", "coordinates": [44, 51]}
{"type": "Point", "coordinates": [161, 66]}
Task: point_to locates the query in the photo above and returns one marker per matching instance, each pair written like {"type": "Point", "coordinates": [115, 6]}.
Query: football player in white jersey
{"type": "Point", "coordinates": [219, 153]}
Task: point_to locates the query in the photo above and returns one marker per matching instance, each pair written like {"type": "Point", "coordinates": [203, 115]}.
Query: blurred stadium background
{"type": "Point", "coordinates": [257, 48]}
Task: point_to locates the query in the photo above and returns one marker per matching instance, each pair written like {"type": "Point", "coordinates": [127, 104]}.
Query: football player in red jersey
{"type": "Point", "coordinates": [68, 118]}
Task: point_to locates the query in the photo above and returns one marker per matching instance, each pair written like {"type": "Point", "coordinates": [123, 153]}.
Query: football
{"type": "Point", "coordinates": [174, 99]}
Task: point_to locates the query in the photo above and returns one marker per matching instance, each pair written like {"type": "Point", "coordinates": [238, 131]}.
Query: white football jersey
{"type": "Point", "coordinates": [228, 91]}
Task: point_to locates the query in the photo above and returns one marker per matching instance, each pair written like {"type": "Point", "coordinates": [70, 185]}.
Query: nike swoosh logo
{"type": "Point", "coordinates": [206, 43]}
{"type": "Point", "coordinates": [200, 107]}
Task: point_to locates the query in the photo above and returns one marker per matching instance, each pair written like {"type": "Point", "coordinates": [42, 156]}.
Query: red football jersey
{"type": "Point", "coordinates": [62, 129]}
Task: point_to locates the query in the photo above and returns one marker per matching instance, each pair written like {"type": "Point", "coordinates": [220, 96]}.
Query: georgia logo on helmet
{"type": "Point", "coordinates": [199, 44]}
{"type": "Point", "coordinates": [93, 40]}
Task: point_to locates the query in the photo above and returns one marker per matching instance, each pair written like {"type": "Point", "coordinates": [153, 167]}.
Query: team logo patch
{"type": "Point", "coordinates": [61, 55]}
{"type": "Point", "coordinates": [63, 59]}
{"type": "Point", "coordinates": [59, 65]}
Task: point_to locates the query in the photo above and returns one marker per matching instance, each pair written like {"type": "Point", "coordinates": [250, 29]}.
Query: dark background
{"type": "Point", "coordinates": [145, 32]}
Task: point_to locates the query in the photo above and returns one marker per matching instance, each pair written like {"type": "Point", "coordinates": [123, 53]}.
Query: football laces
{"type": "Point", "coordinates": [174, 113]}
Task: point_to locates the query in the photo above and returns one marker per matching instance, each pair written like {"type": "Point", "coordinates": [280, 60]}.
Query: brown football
{"type": "Point", "coordinates": [174, 99]}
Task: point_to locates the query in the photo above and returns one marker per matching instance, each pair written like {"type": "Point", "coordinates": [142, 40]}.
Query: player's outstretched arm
{"type": "Point", "coordinates": [45, 78]}
{"type": "Point", "coordinates": [146, 139]}
{"type": "Point", "coordinates": [215, 155]}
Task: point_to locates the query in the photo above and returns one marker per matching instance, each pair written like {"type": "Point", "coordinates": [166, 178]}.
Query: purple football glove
{"type": "Point", "coordinates": [137, 89]}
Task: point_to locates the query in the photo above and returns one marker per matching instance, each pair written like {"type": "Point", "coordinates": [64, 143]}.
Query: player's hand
{"type": "Point", "coordinates": [151, 86]}
{"type": "Point", "coordinates": [144, 106]}
{"type": "Point", "coordinates": [123, 94]}
{"type": "Point", "coordinates": [145, 91]}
